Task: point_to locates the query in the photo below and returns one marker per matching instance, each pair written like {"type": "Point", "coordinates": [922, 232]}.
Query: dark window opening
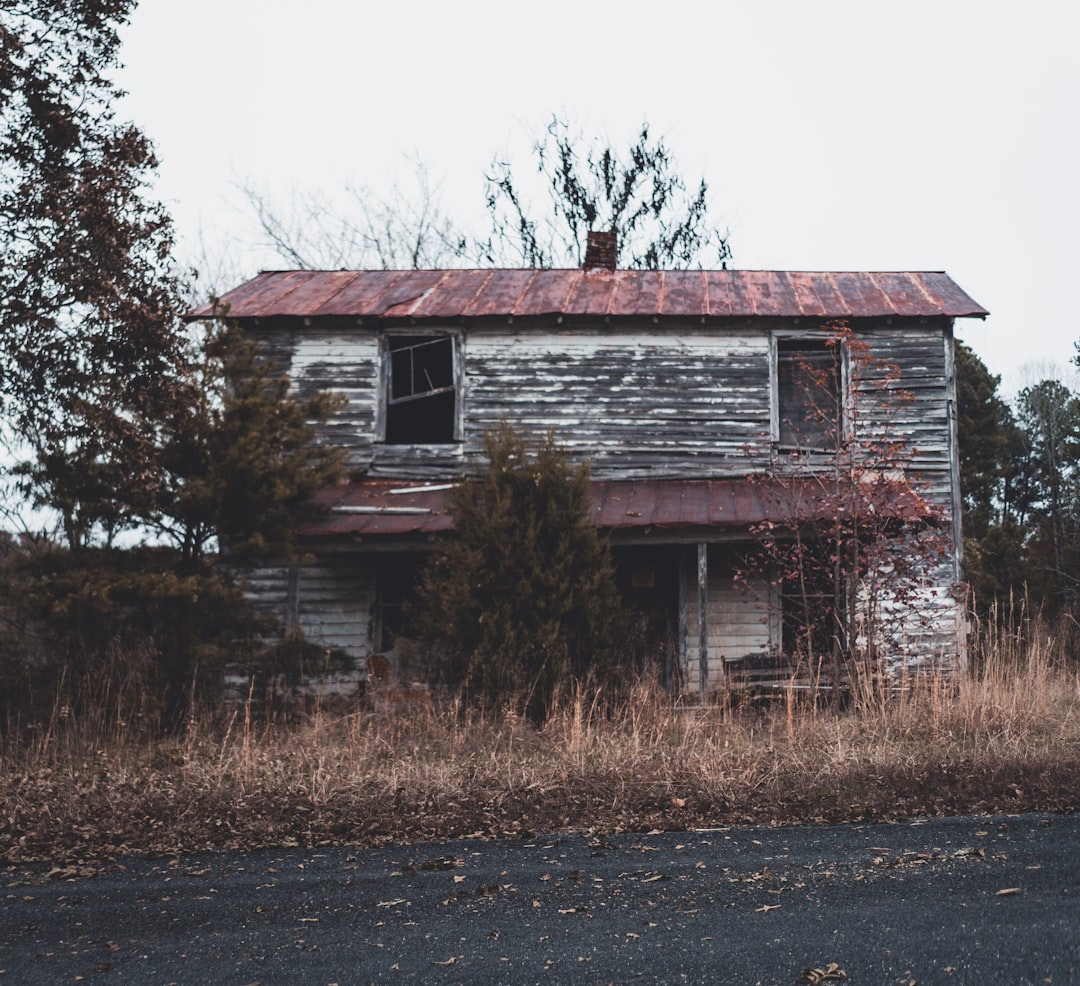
{"type": "Point", "coordinates": [648, 582]}
{"type": "Point", "coordinates": [809, 394]}
{"type": "Point", "coordinates": [398, 579]}
{"type": "Point", "coordinates": [421, 402]}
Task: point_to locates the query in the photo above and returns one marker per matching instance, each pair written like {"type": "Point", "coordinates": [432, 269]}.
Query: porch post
{"type": "Point", "coordinates": [703, 617]}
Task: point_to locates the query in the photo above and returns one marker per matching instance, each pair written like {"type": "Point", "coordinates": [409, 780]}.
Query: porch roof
{"type": "Point", "coordinates": [396, 507]}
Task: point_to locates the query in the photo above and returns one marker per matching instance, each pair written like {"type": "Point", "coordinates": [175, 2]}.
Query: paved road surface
{"type": "Point", "coordinates": [958, 901]}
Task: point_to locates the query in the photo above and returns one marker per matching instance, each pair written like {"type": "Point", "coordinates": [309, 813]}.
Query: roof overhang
{"type": "Point", "coordinates": [477, 295]}
{"type": "Point", "coordinates": [391, 508]}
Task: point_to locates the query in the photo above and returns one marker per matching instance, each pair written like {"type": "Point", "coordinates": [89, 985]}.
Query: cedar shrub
{"type": "Point", "coordinates": [520, 602]}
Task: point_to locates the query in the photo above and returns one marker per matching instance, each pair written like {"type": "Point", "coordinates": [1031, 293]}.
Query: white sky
{"type": "Point", "coordinates": [846, 135]}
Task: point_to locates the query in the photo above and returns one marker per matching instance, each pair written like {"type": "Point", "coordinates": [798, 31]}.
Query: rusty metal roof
{"type": "Point", "coordinates": [402, 507]}
{"type": "Point", "coordinates": [478, 294]}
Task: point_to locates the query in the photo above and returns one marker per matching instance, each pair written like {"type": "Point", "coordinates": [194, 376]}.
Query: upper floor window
{"type": "Point", "coordinates": [809, 394]}
{"type": "Point", "coordinates": [421, 396]}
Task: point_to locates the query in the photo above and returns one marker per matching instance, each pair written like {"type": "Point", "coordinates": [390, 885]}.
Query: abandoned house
{"type": "Point", "coordinates": [679, 387]}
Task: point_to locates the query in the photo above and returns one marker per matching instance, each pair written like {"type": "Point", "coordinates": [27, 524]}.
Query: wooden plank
{"type": "Point", "coordinates": [703, 617]}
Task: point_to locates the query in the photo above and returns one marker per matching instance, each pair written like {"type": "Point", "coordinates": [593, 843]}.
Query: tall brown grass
{"type": "Point", "coordinates": [1004, 737]}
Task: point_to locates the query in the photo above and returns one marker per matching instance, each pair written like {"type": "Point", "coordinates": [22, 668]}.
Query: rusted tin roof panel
{"type": "Point", "coordinates": [501, 293]}
{"type": "Point", "coordinates": [309, 294]}
{"type": "Point", "coordinates": [446, 294]}
{"type": "Point", "coordinates": [947, 293]}
{"type": "Point", "coordinates": [685, 293]}
{"type": "Point", "coordinates": [672, 503]}
{"type": "Point", "coordinates": [361, 294]}
{"type": "Point", "coordinates": [831, 303]}
{"type": "Point", "coordinates": [861, 295]}
{"type": "Point", "coordinates": [906, 293]}
{"type": "Point", "coordinates": [406, 294]}
{"type": "Point", "coordinates": [638, 292]}
{"type": "Point", "coordinates": [718, 292]}
{"type": "Point", "coordinates": [806, 298]}
{"type": "Point", "coordinates": [592, 294]}
{"type": "Point", "coordinates": [267, 292]}
{"type": "Point", "coordinates": [738, 299]}
{"type": "Point", "coordinates": [771, 293]}
{"type": "Point", "coordinates": [389, 507]}
{"type": "Point", "coordinates": [546, 294]}
{"type": "Point", "coordinates": [382, 506]}
{"type": "Point", "coordinates": [454, 295]}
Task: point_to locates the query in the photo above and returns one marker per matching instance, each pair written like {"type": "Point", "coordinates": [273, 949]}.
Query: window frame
{"type": "Point", "coordinates": [796, 341]}
{"type": "Point", "coordinates": [387, 401]}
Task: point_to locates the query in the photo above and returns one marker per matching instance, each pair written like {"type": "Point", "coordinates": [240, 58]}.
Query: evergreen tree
{"type": "Point", "coordinates": [238, 468]}
{"type": "Point", "coordinates": [992, 481]}
{"type": "Point", "coordinates": [521, 600]}
{"type": "Point", "coordinates": [1049, 415]}
{"type": "Point", "coordinates": [241, 464]}
{"type": "Point", "coordinates": [90, 343]}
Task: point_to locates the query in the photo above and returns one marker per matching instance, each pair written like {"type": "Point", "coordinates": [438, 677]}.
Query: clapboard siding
{"type": "Point", "coordinates": [336, 602]}
{"type": "Point", "coordinates": [347, 363]}
{"type": "Point", "coordinates": [738, 628]}
{"type": "Point", "coordinates": [656, 403]}
{"type": "Point", "coordinates": [914, 409]}
{"type": "Point", "coordinates": [332, 601]}
{"type": "Point", "coordinates": [661, 400]}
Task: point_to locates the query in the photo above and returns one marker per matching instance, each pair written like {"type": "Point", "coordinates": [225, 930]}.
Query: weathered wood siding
{"type": "Point", "coordinates": [348, 363]}
{"type": "Point", "coordinates": [740, 622]}
{"type": "Point", "coordinates": [332, 600]}
{"type": "Point", "coordinates": [654, 402]}
{"type": "Point", "coordinates": [926, 633]}
{"type": "Point", "coordinates": [920, 418]}
{"type": "Point", "coordinates": [657, 400]}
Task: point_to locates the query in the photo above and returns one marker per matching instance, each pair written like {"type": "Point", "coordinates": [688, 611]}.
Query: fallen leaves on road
{"type": "Point", "coordinates": [831, 973]}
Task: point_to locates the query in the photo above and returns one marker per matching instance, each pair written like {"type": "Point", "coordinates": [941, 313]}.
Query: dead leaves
{"type": "Point", "coordinates": [442, 863]}
{"type": "Point", "coordinates": [915, 859]}
{"type": "Point", "coordinates": [831, 973]}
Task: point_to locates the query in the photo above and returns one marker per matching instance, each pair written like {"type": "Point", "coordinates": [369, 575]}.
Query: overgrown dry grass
{"type": "Point", "coordinates": [1006, 738]}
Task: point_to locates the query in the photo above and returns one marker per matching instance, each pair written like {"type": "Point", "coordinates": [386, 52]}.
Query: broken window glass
{"type": "Point", "coordinates": [421, 404]}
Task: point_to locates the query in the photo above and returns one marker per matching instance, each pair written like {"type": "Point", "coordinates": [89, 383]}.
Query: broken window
{"type": "Point", "coordinates": [421, 399]}
{"type": "Point", "coordinates": [809, 394]}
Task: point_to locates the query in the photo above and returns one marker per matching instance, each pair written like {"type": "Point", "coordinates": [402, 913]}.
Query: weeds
{"type": "Point", "coordinates": [1004, 738]}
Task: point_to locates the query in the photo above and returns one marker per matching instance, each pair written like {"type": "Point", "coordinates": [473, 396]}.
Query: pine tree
{"type": "Point", "coordinates": [521, 600]}
{"type": "Point", "coordinates": [241, 463]}
{"type": "Point", "coordinates": [90, 345]}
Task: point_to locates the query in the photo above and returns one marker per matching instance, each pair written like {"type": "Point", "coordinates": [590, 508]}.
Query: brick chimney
{"type": "Point", "coordinates": [602, 251]}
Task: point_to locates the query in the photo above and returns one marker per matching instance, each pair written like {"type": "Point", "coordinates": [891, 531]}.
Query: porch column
{"type": "Point", "coordinates": [703, 617]}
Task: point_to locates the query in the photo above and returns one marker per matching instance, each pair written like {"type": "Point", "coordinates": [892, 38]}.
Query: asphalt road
{"type": "Point", "coordinates": [955, 901]}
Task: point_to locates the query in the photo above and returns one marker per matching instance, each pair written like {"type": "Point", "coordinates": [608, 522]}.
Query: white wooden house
{"type": "Point", "coordinates": [675, 385]}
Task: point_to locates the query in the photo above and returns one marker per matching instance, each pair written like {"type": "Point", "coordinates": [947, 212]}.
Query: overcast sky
{"type": "Point", "coordinates": [847, 135]}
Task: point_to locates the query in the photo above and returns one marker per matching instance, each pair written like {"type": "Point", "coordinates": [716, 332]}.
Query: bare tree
{"type": "Point", "coordinates": [853, 537]}
{"type": "Point", "coordinates": [638, 193]}
{"type": "Point", "coordinates": [406, 228]}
